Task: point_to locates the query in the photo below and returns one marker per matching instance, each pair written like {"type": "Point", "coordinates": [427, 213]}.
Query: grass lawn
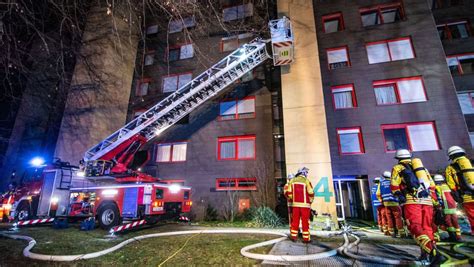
{"type": "Point", "coordinates": [202, 249]}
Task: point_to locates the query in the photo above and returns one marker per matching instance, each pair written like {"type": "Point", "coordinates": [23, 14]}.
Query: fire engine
{"type": "Point", "coordinates": [108, 185]}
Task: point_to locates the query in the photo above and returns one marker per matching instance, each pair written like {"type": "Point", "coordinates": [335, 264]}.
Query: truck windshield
{"type": "Point", "coordinates": [32, 175]}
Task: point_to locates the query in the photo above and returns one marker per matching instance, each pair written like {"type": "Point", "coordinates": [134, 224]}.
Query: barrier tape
{"type": "Point", "coordinates": [127, 226]}
{"type": "Point", "coordinates": [35, 221]}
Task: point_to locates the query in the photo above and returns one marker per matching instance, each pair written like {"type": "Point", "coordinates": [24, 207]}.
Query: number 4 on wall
{"type": "Point", "coordinates": [324, 183]}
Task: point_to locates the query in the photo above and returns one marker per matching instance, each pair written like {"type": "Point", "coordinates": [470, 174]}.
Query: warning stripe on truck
{"type": "Point", "coordinates": [127, 226]}
{"type": "Point", "coordinates": [36, 221]}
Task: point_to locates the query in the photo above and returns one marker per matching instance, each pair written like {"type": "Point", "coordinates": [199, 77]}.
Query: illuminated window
{"type": "Point", "coordinates": [237, 109]}
{"type": "Point", "coordinates": [173, 152]}
{"type": "Point", "coordinates": [333, 23]}
{"type": "Point", "coordinates": [338, 58]}
{"type": "Point", "coordinates": [399, 91]}
{"type": "Point", "coordinates": [236, 148]}
{"type": "Point", "coordinates": [390, 50]}
{"type": "Point", "coordinates": [236, 184]}
{"type": "Point", "coordinates": [350, 141]}
{"type": "Point", "coordinates": [419, 136]}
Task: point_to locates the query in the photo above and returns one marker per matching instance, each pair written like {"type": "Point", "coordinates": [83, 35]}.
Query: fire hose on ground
{"type": "Point", "coordinates": [245, 251]}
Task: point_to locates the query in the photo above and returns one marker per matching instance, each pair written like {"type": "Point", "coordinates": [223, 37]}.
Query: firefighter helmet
{"type": "Point", "coordinates": [303, 171]}
{"type": "Point", "coordinates": [377, 180]}
{"type": "Point", "coordinates": [387, 174]}
{"type": "Point", "coordinates": [455, 150]}
{"type": "Point", "coordinates": [438, 178]}
{"type": "Point", "coordinates": [403, 154]}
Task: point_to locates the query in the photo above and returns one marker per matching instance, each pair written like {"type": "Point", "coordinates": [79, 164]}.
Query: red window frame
{"type": "Point", "coordinates": [172, 75]}
{"type": "Point", "coordinates": [361, 141]}
{"type": "Point", "coordinates": [140, 82]}
{"type": "Point", "coordinates": [237, 115]}
{"type": "Point", "coordinates": [354, 99]}
{"type": "Point", "coordinates": [388, 48]}
{"type": "Point", "coordinates": [177, 46]}
{"type": "Point", "coordinates": [382, 83]}
{"type": "Point", "coordinates": [339, 48]}
{"type": "Point", "coordinates": [237, 187]}
{"type": "Point", "coordinates": [237, 39]}
{"type": "Point", "coordinates": [171, 151]}
{"type": "Point", "coordinates": [460, 70]}
{"type": "Point", "coordinates": [333, 16]}
{"type": "Point", "coordinates": [236, 140]}
{"type": "Point", "coordinates": [448, 31]}
{"type": "Point", "coordinates": [379, 8]}
{"type": "Point", "coordinates": [405, 126]}
{"type": "Point", "coordinates": [149, 52]}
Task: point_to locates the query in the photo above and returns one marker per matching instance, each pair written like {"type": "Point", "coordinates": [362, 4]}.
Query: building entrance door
{"type": "Point", "coordinates": [352, 198]}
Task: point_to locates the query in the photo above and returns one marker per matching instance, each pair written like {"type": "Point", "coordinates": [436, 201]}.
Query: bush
{"type": "Point", "coordinates": [211, 213]}
{"type": "Point", "coordinates": [265, 217]}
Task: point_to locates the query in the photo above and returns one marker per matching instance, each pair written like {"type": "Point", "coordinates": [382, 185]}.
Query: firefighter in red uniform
{"type": "Point", "coordinates": [285, 189]}
{"type": "Point", "coordinates": [377, 203]}
{"type": "Point", "coordinates": [300, 192]}
{"type": "Point", "coordinates": [449, 208]}
{"type": "Point", "coordinates": [411, 183]}
{"type": "Point", "coordinates": [460, 179]}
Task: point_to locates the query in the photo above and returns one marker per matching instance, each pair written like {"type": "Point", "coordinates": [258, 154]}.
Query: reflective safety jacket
{"type": "Point", "coordinates": [454, 182]}
{"type": "Point", "coordinates": [449, 205]}
{"type": "Point", "coordinates": [375, 200]}
{"type": "Point", "coordinates": [398, 184]}
{"type": "Point", "coordinates": [299, 192]}
{"type": "Point", "coordinates": [285, 190]}
{"type": "Point", "coordinates": [386, 195]}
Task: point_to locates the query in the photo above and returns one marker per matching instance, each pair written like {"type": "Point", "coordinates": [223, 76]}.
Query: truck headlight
{"type": "Point", "coordinates": [7, 206]}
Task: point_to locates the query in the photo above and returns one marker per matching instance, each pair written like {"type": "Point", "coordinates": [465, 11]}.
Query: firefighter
{"type": "Point", "coordinates": [411, 183]}
{"type": "Point", "coordinates": [377, 203]}
{"type": "Point", "coordinates": [460, 179]}
{"type": "Point", "coordinates": [300, 192]}
{"type": "Point", "coordinates": [393, 212]}
{"type": "Point", "coordinates": [449, 208]}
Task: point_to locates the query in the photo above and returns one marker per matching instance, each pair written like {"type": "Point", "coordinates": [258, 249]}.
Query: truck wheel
{"type": "Point", "coordinates": [108, 216]}
{"type": "Point", "coordinates": [151, 220]}
{"type": "Point", "coordinates": [23, 212]}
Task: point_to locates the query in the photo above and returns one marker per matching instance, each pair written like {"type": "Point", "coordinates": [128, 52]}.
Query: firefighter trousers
{"type": "Point", "coordinates": [381, 217]}
{"type": "Point", "coordinates": [419, 219]}
{"type": "Point", "coordinates": [469, 209]}
{"type": "Point", "coordinates": [394, 220]}
{"type": "Point", "coordinates": [298, 214]}
{"type": "Point", "coordinates": [452, 225]}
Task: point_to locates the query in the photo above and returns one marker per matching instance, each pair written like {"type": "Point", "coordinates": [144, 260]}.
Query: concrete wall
{"type": "Point", "coordinates": [98, 100]}
{"type": "Point", "coordinates": [441, 107]}
{"type": "Point", "coordinates": [304, 116]}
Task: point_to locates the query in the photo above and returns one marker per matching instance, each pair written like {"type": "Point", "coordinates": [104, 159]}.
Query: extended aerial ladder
{"type": "Point", "coordinates": [116, 152]}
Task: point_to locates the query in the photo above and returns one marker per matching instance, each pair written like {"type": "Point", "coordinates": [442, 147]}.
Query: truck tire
{"type": "Point", "coordinates": [23, 212]}
{"type": "Point", "coordinates": [108, 216]}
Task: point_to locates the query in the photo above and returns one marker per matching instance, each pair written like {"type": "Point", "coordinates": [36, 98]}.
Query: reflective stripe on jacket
{"type": "Point", "coordinates": [386, 193]}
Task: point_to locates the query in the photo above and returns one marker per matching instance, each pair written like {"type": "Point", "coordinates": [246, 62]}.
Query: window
{"type": "Point", "coordinates": [149, 58]}
{"type": "Point", "coordinates": [382, 14]}
{"type": "Point", "coordinates": [142, 87]}
{"type": "Point", "coordinates": [466, 101]}
{"type": "Point", "coordinates": [177, 25]}
{"type": "Point", "coordinates": [152, 29]}
{"type": "Point", "coordinates": [338, 58]}
{"type": "Point", "coordinates": [180, 52]}
{"type": "Point", "coordinates": [420, 136]}
{"type": "Point", "coordinates": [461, 64]}
{"type": "Point", "coordinates": [234, 184]}
{"type": "Point", "coordinates": [399, 91]}
{"type": "Point", "coordinates": [435, 4]}
{"type": "Point", "coordinates": [350, 141]}
{"type": "Point", "coordinates": [138, 112]}
{"type": "Point", "coordinates": [236, 148]}
{"type": "Point", "coordinates": [333, 23]}
{"type": "Point", "coordinates": [175, 152]}
{"type": "Point", "coordinates": [455, 30]}
{"type": "Point", "coordinates": [238, 12]}
{"type": "Point", "coordinates": [343, 96]}
{"type": "Point", "coordinates": [159, 193]}
{"type": "Point", "coordinates": [233, 42]}
{"type": "Point", "coordinates": [237, 109]}
{"type": "Point", "coordinates": [175, 81]}
{"type": "Point", "coordinates": [390, 50]}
